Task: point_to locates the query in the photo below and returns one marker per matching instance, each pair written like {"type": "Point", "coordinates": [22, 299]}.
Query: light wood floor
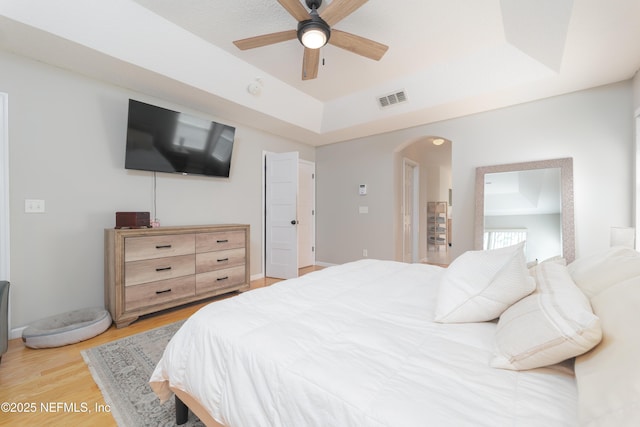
{"type": "Point", "coordinates": [37, 384]}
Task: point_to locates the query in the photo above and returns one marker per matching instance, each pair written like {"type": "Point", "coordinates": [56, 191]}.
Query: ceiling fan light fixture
{"type": "Point", "coordinates": [315, 32]}
{"type": "Point", "coordinates": [313, 38]}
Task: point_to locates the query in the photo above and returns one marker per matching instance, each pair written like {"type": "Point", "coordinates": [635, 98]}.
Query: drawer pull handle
{"type": "Point", "coordinates": [223, 241]}
{"type": "Point", "coordinates": [163, 246]}
{"type": "Point", "coordinates": [163, 268]}
{"type": "Point", "coordinates": [220, 279]}
{"type": "Point", "coordinates": [223, 259]}
{"type": "Point", "coordinates": [163, 292]}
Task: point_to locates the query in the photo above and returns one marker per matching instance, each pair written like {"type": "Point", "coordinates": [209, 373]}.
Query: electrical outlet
{"type": "Point", "coordinates": [364, 252]}
{"type": "Point", "coordinates": [33, 206]}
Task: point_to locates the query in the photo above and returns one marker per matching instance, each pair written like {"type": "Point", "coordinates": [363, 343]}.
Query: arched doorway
{"type": "Point", "coordinates": [423, 168]}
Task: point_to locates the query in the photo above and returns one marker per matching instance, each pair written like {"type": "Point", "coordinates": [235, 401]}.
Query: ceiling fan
{"type": "Point", "coordinates": [314, 31]}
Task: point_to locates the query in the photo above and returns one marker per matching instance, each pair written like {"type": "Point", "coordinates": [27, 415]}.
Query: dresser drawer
{"type": "Point", "coordinates": [210, 261]}
{"type": "Point", "coordinates": [151, 270]}
{"type": "Point", "coordinates": [154, 293]}
{"type": "Point", "coordinates": [218, 279]}
{"type": "Point", "coordinates": [221, 240]}
{"type": "Point", "coordinates": [149, 247]}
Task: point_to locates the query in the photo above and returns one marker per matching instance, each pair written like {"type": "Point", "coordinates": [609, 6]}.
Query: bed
{"type": "Point", "coordinates": [383, 343]}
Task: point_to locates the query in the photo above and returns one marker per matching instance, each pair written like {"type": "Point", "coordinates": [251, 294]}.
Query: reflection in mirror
{"type": "Point", "coordinates": [530, 202]}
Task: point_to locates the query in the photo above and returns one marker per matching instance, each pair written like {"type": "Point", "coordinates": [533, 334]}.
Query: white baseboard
{"type": "Point", "coordinates": [16, 333]}
{"type": "Point", "coordinates": [325, 264]}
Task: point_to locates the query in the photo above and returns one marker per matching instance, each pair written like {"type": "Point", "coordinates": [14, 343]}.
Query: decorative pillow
{"type": "Point", "coordinates": [597, 272]}
{"type": "Point", "coordinates": [533, 271]}
{"type": "Point", "coordinates": [479, 285]}
{"type": "Point", "coordinates": [551, 325]}
{"type": "Point", "coordinates": [559, 259]}
{"type": "Point", "coordinates": [608, 377]}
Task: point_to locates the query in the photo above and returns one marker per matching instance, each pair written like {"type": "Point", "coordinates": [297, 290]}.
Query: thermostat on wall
{"type": "Point", "coordinates": [363, 189]}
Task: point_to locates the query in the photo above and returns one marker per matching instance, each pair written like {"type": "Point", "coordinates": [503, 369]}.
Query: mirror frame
{"type": "Point", "coordinates": [566, 178]}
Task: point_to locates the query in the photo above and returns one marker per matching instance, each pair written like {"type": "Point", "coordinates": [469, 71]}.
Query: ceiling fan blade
{"type": "Point", "coordinates": [295, 8]}
{"type": "Point", "coordinates": [265, 39]}
{"type": "Point", "coordinates": [337, 10]}
{"type": "Point", "coordinates": [357, 44]}
{"type": "Point", "coordinates": [310, 63]}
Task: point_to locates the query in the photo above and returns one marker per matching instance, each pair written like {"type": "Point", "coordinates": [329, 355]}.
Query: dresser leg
{"type": "Point", "coordinates": [121, 323]}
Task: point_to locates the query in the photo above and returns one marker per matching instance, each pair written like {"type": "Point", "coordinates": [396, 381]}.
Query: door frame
{"type": "Point", "coordinates": [415, 211]}
{"type": "Point", "coordinates": [636, 205]}
{"type": "Point", "coordinates": [4, 187]}
{"type": "Point", "coordinates": [312, 165]}
{"type": "Point", "coordinates": [5, 246]}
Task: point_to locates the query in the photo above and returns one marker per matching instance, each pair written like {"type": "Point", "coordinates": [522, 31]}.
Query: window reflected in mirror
{"type": "Point", "coordinates": [530, 202]}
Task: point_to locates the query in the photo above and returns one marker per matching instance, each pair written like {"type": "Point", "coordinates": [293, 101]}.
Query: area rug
{"type": "Point", "coordinates": [122, 370]}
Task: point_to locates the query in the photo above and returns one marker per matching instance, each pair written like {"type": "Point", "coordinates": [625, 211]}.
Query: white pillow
{"type": "Point", "coordinates": [553, 324]}
{"type": "Point", "coordinates": [608, 377]}
{"type": "Point", "coordinates": [479, 285]}
{"type": "Point", "coordinates": [533, 271]}
{"type": "Point", "coordinates": [597, 272]}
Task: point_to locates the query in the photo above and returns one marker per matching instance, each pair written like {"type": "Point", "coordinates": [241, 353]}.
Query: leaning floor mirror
{"type": "Point", "coordinates": [530, 201]}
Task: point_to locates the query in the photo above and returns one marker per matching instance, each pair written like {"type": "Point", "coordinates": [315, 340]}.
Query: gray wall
{"type": "Point", "coordinates": [341, 231]}
{"type": "Point", "coordinates": [595, 127]}
{"type": "Point", "coordinates": [66, 146]}
{"type": "Point", "coordinates": [66, 142]}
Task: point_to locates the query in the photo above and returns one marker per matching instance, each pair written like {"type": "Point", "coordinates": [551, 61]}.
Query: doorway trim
{"type": "Point", "coordinates": [4, 187]}
{"type": "Point", "coordinates": [308, 216]}
{"type": "Point", "coordinates": [415, 208]}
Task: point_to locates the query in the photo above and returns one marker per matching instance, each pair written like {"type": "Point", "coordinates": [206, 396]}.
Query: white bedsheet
{"type": "Point", "coordinates": [353, 345]}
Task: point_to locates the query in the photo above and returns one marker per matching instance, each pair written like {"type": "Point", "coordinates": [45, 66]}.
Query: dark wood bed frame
{"type": "Point", "coordinates": [182, 412]}
{"type": "Point", "coordinates": [186, 403]}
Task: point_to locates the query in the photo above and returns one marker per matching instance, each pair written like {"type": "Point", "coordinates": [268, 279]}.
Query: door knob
{"type": "Point", "coordinates": [294, 222]}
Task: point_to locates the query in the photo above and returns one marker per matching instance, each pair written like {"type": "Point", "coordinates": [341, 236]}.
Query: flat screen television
{"type": "Point", "coordinates": [162, 140]}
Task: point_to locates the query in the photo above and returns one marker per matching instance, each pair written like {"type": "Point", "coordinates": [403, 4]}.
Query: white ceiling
{"type": "Point", "coordinates": [452, 58]}
{"type": "Point", "coordinates": [527, 192]}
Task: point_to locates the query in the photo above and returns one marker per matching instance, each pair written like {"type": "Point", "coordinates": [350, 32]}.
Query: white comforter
{"type": "Point", "coordinates": [353, 345]}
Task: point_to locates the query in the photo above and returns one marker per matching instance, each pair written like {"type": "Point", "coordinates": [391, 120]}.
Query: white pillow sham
{"type": "Point", "coordinates": [608, 377]}
{"type": "Point", "coordinates": [553, 324]}
{"type": "Point", "coordinates": [533, 271]}
{"type": "Point", "coordinates": [479, 285]}
{"type": "Point", "coordinates": [598, 272]}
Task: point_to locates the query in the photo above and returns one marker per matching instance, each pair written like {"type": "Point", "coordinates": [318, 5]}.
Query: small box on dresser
{"type": "Point", "coordinates": [148, 270]}
{"type": "Point", "coordinates": [133, 220]}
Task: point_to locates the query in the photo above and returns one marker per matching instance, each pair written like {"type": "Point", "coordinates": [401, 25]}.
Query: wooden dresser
{"type": "Point", "coordinates": [152, 269]}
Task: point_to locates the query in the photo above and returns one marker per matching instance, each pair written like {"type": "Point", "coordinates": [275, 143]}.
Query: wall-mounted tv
{"type": "Point", "coordinates": [162, 140]}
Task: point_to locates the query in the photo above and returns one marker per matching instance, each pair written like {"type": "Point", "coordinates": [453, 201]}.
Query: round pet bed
{"type": "Point", "coordinates": [67, 328]}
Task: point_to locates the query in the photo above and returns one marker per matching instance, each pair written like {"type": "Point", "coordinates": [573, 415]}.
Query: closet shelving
{"type": "Point", "coordinates": [437, 236]}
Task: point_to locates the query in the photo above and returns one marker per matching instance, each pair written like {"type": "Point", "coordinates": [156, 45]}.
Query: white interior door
{"type": "Point", "coordinates": [306, 213]}
{"type": "Point", "coordinates": [281, 239]}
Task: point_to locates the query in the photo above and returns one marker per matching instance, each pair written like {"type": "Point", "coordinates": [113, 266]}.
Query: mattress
{"type": "Point", "coordinates": [354, 345]}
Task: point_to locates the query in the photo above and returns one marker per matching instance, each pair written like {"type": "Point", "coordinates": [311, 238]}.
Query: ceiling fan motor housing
{"type": "Point", "coordinates": [314, 4]}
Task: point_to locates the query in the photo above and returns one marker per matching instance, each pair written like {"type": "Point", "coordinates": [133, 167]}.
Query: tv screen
{"type": "Point", "coordinates": [162, 140]}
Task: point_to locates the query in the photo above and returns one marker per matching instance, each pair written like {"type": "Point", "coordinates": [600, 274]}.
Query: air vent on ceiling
{"type": "Point", "coordinates": [392, 99]}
